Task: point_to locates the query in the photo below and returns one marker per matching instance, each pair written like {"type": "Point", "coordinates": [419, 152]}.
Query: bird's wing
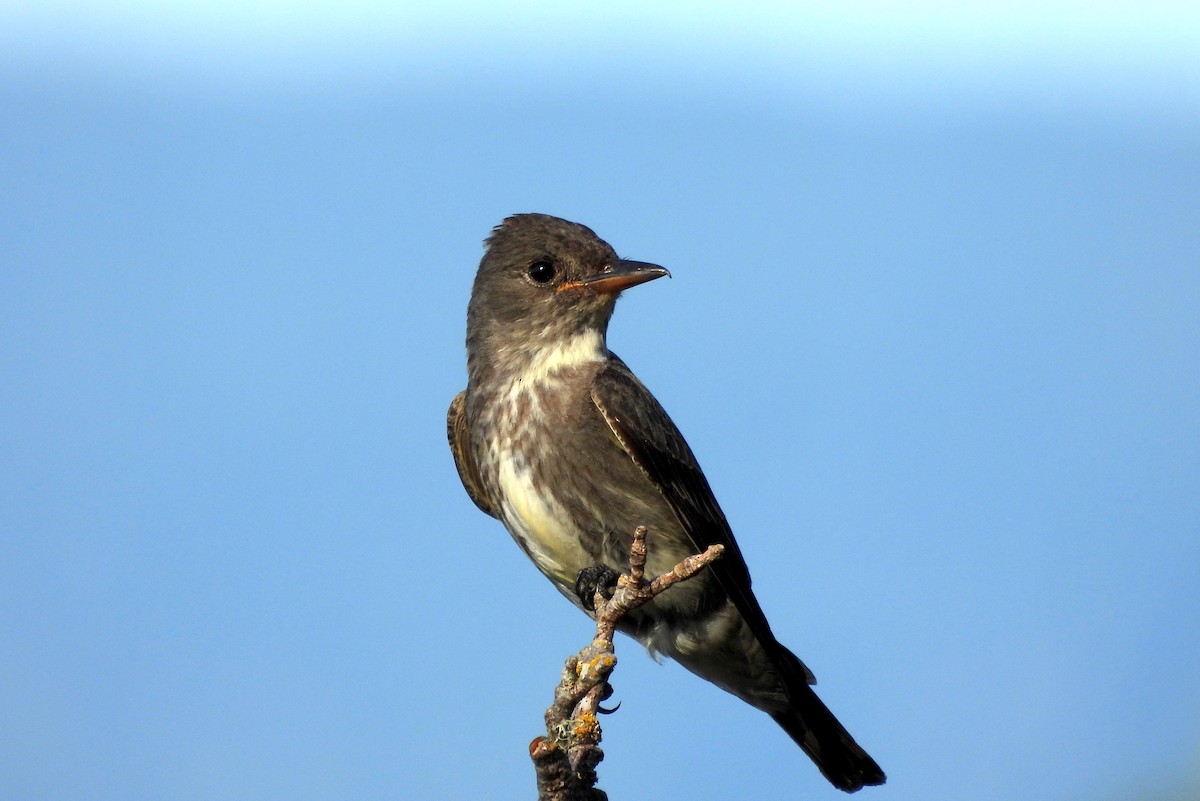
{"type": "Point", "coordinates": [460, 446]}
{"type": "Point", "coordinates": [656, 446]}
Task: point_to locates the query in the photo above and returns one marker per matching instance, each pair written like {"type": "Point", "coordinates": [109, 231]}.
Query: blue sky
{"type": "Point", "coordinates": [932, 332]}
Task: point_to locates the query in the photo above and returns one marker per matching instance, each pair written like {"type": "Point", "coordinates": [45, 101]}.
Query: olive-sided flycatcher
{"type": "Point", "coordinates": [560, 441]}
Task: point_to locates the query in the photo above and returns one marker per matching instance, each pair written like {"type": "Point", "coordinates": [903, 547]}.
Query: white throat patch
{"type": "Point", "coordinates": [576, 351]}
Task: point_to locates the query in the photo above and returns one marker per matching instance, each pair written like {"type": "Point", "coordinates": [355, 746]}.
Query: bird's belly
{"type": "Point", "coordinates": [540, 525]}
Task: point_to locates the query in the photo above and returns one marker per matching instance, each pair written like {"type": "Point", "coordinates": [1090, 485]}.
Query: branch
{"type": "Point", "coordinates": [565, 760]}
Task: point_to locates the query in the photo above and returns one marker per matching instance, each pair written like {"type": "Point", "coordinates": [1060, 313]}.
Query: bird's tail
{"type": "Point", "coordinates": [814, 728]}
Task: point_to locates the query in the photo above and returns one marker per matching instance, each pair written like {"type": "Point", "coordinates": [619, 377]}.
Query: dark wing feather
{"type": "Point", "coordinates": [460, 446]}
{"type": "Point", "coordinates": [657, 447]}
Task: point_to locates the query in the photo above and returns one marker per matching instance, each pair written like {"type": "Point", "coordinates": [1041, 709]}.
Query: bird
{"type": "Point", "coordinates": [558, 439]}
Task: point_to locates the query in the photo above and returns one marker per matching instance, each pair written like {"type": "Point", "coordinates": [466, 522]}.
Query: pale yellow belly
{"type": "Point", "coordinates": [540, 525]}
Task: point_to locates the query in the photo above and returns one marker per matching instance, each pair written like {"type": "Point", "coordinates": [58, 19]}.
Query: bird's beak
{"type": "Point", "coordinates": [622, 274]}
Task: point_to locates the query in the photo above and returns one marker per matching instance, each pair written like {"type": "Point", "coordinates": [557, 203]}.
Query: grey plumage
{"type": "Point", "coordinates": [560, 441]}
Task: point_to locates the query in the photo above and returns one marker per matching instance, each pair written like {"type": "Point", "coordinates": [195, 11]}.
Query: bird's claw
{"type": "Point", "coordinates": [593, 579]}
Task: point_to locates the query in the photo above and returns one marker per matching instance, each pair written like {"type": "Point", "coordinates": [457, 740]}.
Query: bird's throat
{"type": "Point", "coordinates": [557, 355]}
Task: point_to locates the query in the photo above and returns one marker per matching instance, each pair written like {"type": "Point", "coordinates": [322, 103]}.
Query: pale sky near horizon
{"type": "Point", "coordinates": [932, 333]}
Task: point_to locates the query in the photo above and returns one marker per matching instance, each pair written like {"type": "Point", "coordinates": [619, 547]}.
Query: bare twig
{"type": "Point", "coordinates": [566, 759]}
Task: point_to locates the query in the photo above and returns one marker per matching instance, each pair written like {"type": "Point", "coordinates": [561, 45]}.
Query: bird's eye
{"type": "Point", "coordinates": [542, 271]}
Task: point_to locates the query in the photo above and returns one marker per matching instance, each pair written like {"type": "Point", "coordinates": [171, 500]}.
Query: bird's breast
{"type": "Point", "coordinates": [537, 457]}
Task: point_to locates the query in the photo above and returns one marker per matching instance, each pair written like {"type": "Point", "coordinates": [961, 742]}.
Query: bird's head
{"type": "Point", "coordinates": [546, 280]}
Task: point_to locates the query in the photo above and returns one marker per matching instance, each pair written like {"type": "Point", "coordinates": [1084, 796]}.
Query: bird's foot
{"type": "Point", "coordinates": [595, 579]}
